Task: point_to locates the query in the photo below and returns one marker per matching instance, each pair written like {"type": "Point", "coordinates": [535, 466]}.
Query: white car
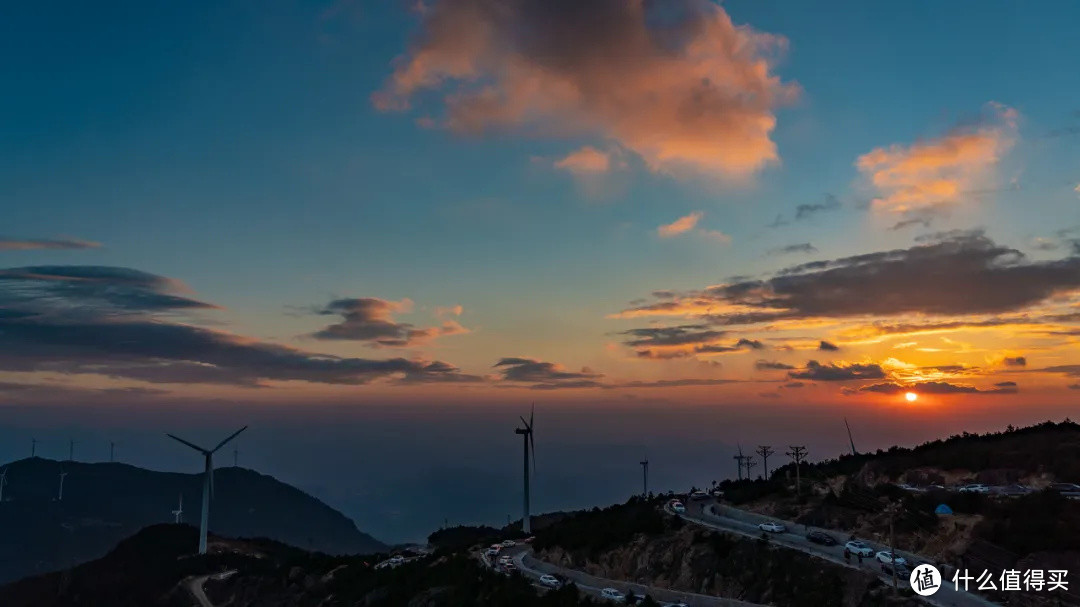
{"type": "Point", "coordinates": [889, 558]}
{"type": "Point", "coordinates": [772, 527]}
{"type": "Point", "coordinates": [509, 543]}
{"type": "Point", "coordinates": [699, 495]}
{"type": "Point", "coordinates": [550, 581]}
{"type": "Point", "coordinates": [397, 560]}
{"type": "Point", "coordinates": [504, 559]}
{"type": "Point", "coordinates": [612, 595]}
{"type": "Point", "coordinates": [857, 547]}
{"type": "Point", "coordinates": [976, 488]}
{"type": "Point", "coordinates": [496, 547]}
{"type": "Point", "coordinates": [677, 506]}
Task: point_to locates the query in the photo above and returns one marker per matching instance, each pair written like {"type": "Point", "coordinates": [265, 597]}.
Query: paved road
{"type": "Point", "coordinates": [195, 587]}
{"type": "Point", "coordinates": [533, 568]}
{"type": "Point", "coordinates": [725, 518]}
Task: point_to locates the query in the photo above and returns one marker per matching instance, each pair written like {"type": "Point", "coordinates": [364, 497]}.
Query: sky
{"type": "Point", "coordinates": [409, 215]}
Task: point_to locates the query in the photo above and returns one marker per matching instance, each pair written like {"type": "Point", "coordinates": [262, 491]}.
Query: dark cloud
{"type": "Point", "coordinates": [111, 321]}
{"type": "Point", "coordinates": [805, 211]}
{"type": "Point", "coordinates": [15, 244]}
{"type": "Point", "coordinates": [825, 346]}
{"type": "Point", "coordinates": [545, 375]}
{"type": "Point", "coordinates": [673, 383]}
{"type": "Point", "coordinates": [1015, 361]}
{"type": "Point", "coordinates": [770, 365]}
{"type": "Point", "coordinates": [1074, 386]}
{"type": "Point", "coordinates": [672, 336]}
{"type": "Point", "coordinates": [742, 344]}
{"type": "Point", "coordinates": [816, 371]}
{"type": "Point", "coordinates": [802, 247]}
{"type": "Point", "coordinates": [913, 221]}
{"type": "Point", "coordinates": [794, 384]}
{"type": "Point", "coordinates": [370, 320]}
{"type": "Point", "coordinates": [954, 273]}
{"type": "Point", "coordinates": [937, 387]}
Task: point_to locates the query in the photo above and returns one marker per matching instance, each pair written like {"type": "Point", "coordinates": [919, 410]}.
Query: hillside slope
{"type": "Point", "coordinates": [106, 502]}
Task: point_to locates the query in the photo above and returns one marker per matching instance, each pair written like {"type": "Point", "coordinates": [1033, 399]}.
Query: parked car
{"type": "Point", "coordinates": [820, 537]}
{"type": "Point", "coordinates": [902, 571]}
{"type": "Point", "coordinates": [715, 493]}
{"type": "Point", "coordinates": [1064, 487]}
{"type": "Point", "coordinates": [529, 539]}
{"type": "Point", "coordinates": [772, 527]}
{"type": "Point", "coordinates": [497, 547]}
{"type": "Point", "coordinates": [611, 594]}
{"type": "Point", "coordinates": [509, 543]}
{"type": "Point", "coordinates": [699, 495]}
{"type": "Point", "coordinates": [857, 547]}
{"type": "Point", "coordinates": [1013, 490]}
{"type": "Point", "coordinates": [888, 557]}
{"type": "Point", "coordinates": [975, 488]}
{"type": "Point", "coordinates": [505, 559]}
{"type": "Point", "coordinates": [550, 581]}
{"type": "Point", "coordinates": [491, 553]}
{"type": "Point", "coordinates": [509, 567]}
{"type": "Point", "coordinates": [678, 506]}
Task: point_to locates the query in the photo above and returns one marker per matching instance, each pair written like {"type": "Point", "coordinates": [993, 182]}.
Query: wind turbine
{"type": "Point", "coordinates": [527, 436]}
{"type": "Point", "coordinates": [739, 461]}
{"type": "Point", "coordinates": [33, 447]}
{"type": "Point", "coordinates": [179, 511]}
{"type": "Point", "coordinates": [3, 481]}
{"type": "Point", "coordinates": [208, 481]}
{"type": "Point", "coordinates": [645, 477]}
{"type": "Point", "coordinates": [851, 440]}
{"type": "Point", "coordinates": [60, 495]}
{"type": "Point", "coordinates": [112, 451]}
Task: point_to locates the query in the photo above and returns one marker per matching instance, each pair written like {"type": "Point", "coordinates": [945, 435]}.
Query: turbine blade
{"type": "Point", "coordinates": [231, 436]}
{"type": "Point", "coordinates": [192, 445]}
{"type": "Point", "coordinates": [527, 426]}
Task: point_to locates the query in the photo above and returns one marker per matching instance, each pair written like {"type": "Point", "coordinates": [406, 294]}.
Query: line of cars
{"type": "Point", "coordinates": [1070, 490]}
{"type": "Point", "coordinates": [857, 548]}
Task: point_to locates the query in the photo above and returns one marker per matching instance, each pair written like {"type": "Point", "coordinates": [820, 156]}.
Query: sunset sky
{"type": "Point", "coordinates": [743, 204]}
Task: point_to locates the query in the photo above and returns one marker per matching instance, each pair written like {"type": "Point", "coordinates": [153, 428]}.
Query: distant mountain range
{"type": "Point", "coordinates": [104, 503]}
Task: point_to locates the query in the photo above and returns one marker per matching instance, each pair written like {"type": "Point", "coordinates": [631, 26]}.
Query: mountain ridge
{"type": "Point", "coordinates": [104, 503]}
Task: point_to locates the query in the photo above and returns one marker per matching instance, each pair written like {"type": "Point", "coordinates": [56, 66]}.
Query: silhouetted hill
{"type": "Point", "coordinates": [106, 502]}
{"type": "Point", "coordinates": [154, 568]}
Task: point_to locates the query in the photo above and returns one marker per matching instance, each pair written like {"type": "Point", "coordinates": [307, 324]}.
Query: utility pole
{"type": "Point", "coordinates": [749, 463]}
{"type": "Point", "coordinates": [644, 477]}
{"type": "Point", "coordinates": [765, 451]}
{"type": "Point", "coordinates": [739, 462]}
{"type": "Point", "coordinates": [797, 454]}
{"type": "Point", "coordinates": [891, 509]}
{"type": "Point", "coordinates": [33, 447]}
{"type": "Point", "coordinates": [112, 452]}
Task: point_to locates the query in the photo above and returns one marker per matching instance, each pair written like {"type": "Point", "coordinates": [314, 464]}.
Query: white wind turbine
{"type": "Point", "coordinates": [208, 481]}
{"type": "Point", "coordinates": [60, 495]}
{"type": "Point", "coordinates": [179, 511]}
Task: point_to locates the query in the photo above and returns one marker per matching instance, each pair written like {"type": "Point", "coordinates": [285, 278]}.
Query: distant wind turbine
{"type": "Point", "coordinates": [179, 511]}
{"type": "Point", "coordinates": [645, 477]}
{"type": "Point", "coordinates": [112, 451]}
{"type": "Point", "coordinates": [527, 436]}
{"type": "Point", "coordinates": [208, 481]}
{"type": "Point", "coordinates": [71, 450]}
{"type": "Point", "coordinates": [851, 440]}
{"type": "Point", "coordinates": [60, 494]}
{"type": "Point", "coordinates": [33, 447]}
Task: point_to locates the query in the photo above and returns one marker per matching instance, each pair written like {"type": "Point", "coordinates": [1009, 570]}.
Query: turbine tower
{"type": "Point", "coordinates": [645, 477]}
{"type": "Point", "coordinates": [208, 481]}
{"type": "Point", "coordinates": [112, 451]}
{"type": "Point", "coordinates": [60, 494]}
{"type": "Point", "coordinates": [527, 436]}
{"type": "Point", "coordinates": [33, 447]}
{"type": "Point", "coordinates": [851, 440]}
{"type": "Point", "coordinates": [179, 511]}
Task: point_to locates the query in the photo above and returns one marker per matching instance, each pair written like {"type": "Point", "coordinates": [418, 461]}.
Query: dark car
{"type": "Point", "coordinates": [902, 571]}
{"type": "Point", "coordinates": [820, 537]}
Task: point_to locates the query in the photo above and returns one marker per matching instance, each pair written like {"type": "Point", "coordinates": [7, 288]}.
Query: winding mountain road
{"type": "Point", "coordinates": [724, 518]}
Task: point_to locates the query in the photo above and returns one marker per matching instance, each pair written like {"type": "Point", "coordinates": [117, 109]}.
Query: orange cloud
{"type": "Point", "coordinates": [690, 92]}
{"type": "Point", "coordinates": [939, 171]}
{"type": "Point", "coordinates": [681, 225]}
{"type": "Point", "coordinates": [586, 161]}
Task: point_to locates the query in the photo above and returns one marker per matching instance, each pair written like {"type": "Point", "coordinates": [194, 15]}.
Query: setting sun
{"type": "Point", "coordinates": [911, 397]}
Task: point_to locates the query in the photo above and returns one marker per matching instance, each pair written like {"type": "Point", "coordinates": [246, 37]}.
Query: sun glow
{"type": "Point", "coordinates": [911, 397]}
